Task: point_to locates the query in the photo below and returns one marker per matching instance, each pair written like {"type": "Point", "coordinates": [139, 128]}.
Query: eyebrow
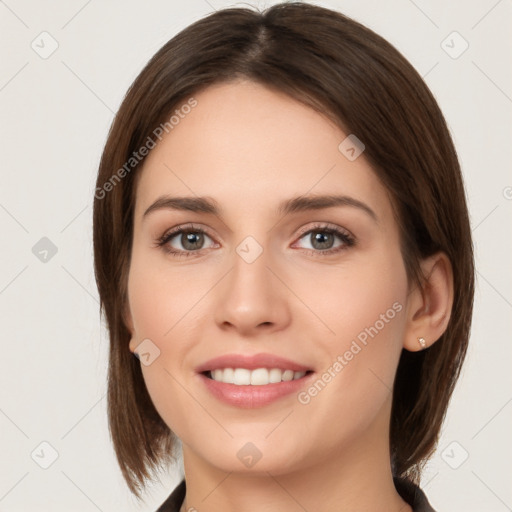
{"type": "Point", "coordinates": [293, 205]}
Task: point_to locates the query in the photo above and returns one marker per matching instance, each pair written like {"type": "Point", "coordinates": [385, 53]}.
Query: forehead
{"type": "Point", "coordinates": [248, 146]}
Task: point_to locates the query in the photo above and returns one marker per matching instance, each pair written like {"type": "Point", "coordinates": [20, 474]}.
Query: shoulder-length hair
{"type": "Point", "coordinates": [350, 74]}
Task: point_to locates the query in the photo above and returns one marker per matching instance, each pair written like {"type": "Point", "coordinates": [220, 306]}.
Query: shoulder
{"type": "Point", "coordinates": [413, 495]}
{"type": "Point", "coordinates": [175, 500]}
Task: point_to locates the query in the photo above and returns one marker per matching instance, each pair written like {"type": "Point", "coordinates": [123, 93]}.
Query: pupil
{"type": "Point", "coordinates": [321, 237]}
{"type": "Point", "coordinates": [191, 240]}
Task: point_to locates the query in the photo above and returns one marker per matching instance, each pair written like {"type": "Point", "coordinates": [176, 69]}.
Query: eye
{"type": "Point", "coordinates": [190, 239]}
{"type": "Point", "coordinates": [322, 239]}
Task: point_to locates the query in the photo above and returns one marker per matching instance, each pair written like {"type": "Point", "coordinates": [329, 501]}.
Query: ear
{"type": "Point", "coordinates": [127, 318]}
{"type": "Point", "coordinates": [429, 306]}
{"type": "Point", "coordinates": [132, 345]}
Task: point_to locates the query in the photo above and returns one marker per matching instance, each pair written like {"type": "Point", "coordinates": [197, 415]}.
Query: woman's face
{"type": "Point", "coordinates": [258, 278]}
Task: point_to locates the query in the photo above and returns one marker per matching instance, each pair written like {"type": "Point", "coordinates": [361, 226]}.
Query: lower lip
{"type": "Point", "coordinates": [250, 397]}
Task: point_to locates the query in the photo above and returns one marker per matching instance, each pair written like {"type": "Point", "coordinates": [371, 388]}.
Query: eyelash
{"type": "Point", "coordinates": [347, 239]}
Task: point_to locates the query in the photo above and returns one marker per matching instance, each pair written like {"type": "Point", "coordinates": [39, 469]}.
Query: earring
{"type": "Point", "coordinates": [422, 342]}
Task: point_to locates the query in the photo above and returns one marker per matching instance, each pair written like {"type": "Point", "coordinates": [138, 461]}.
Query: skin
{"type": "Point", "coordinates": [250, 148]}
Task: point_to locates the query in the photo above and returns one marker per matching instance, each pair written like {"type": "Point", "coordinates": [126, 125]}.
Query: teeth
{"type": "Point", "coordinates": [275, 375]}
{"type": "Point", "coordinates": [257, 377]}
{"type": "Point", "coordinates": [241, 377]}
{"type": "Point", "coordinates": [228, 375]}
{"type": "Point", "coordinates": [288, 375]}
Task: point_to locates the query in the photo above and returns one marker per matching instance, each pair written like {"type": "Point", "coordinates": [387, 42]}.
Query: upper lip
{"type": "Point", "coordinates": [251, 362]}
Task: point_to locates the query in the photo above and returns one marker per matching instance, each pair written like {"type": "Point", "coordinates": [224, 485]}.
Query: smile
{"type": "Point", "coordinates": [253, 380]}
{"type": "Point", "coordinates": [256, 377]}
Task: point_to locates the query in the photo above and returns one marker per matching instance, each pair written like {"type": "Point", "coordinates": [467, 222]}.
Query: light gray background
{"type": "Point", "coordinates": [55, 114]}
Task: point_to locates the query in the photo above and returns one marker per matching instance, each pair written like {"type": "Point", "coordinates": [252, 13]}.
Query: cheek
{"type": "Point", "coordinates": [160, 297]}
{"type": "Point", "coordinates": [163, 315]}
{"type": "Point", "coordinates": [362, 301]}
{"type": "Point", "coordinates": [365, 311]}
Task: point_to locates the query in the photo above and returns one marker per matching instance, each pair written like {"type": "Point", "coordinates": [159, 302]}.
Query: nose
{"type": "Point", "coordinates": [253, 298]}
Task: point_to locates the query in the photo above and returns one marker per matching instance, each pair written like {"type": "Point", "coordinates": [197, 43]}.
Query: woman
{"type": "Point", "coordinates": [281, 239]}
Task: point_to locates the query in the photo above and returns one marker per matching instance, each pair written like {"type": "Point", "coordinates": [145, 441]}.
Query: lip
{"type": "Point", "coordinates": [250, 397]}
{"type": "Point", "coordinates": [247, 396]}
{"type": "Point", "coordinates": [251, 362]}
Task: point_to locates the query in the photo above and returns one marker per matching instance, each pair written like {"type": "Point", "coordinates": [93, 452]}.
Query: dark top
{"type": "Point", "coordinates": [411, 493]}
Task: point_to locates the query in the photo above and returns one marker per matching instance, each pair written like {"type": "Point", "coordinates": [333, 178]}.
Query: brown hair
{"type": "Point", "coordinates": [356, 78]}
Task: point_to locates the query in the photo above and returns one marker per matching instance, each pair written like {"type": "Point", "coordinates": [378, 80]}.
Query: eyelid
{"type": "Point", "coordinates": [318, 225]}
{"type": "Point", "coordinates": [188, 226]}
{"type": "Point", "coordinates": [338, 231]}
{"type": "Point", "coordinates": [302, 231]}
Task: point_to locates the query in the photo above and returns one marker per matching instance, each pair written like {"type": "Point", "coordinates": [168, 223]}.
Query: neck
{"type": "Point", "coordinates": [356, 477]}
